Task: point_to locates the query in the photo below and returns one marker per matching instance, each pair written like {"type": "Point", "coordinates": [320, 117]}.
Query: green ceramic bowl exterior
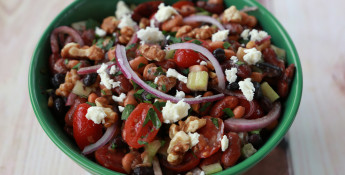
{"type": "Point", "coordinates": [85, 9]}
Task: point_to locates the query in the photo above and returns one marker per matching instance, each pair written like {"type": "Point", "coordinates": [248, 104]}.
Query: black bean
{"type": "Point", "coordinates": [258, 92]}
{"type": "Point", "coordinates": [57, 80]}
{"type": "Point", "coordinates": [143, 170]}
{"type": "Point", "coordinates": [59, 106]}
{"type": "Point", "coordinates": [90, 79]}
{"type": "Point", "coordinates": [270, 69]}
{"type": "Point", "coordinates": [255, 140]}
{"type": "Point", "coordinates": [266, 104]}
{"type": "Point", "coordinates": [219, 53]}
{"type": "Point", "coordinates": [233, 86]}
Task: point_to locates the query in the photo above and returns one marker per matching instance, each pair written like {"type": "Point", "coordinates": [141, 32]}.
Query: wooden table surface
{"type": "Point", "coordinates": [316, 138]}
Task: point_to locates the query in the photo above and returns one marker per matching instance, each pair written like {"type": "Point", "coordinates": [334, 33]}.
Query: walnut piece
{"type": "Point", "coordinates": [203, 33]}
{"type": "Point", "coordinates": [73, 50]}
{"type": "Point", "coordinates": [179, 144]}
{"type": "Point", "coordinates": [165, 83]}
{"type": "Point", "coordinates": [191, 124]}
{"type": "Point", "coordinates": [183, 31]}
{"type": "Point", "coordinates": [70, 80]}
{"type": "Point", "coordinates": [231, 14]}
{"type": "Point", "coordinates": [109, 24]}
{"type": "Point", "coordinates": [153, 52]}
{"type": "Point", "coordinates": [126, 34]}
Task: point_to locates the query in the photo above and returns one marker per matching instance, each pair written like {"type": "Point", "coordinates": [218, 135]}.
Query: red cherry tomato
{"type": "Point", "coordinates": [258, 112]}
{"type": "Point", "coordinates": [189, 162]}
{"type": "Point", "coordinates": [134, 131]}
{"type": "Point", "coordinates": [233, 153]}
{"type": "Point", "coordinates": [110, 158]}
{"type": "Point", "coordinates": [85, 131]}
{"type": "Point", "coordinates": [210, 137]}
{"type": "Point", "coordinates": [212, 159]}
{"type": "Point", "coordinates": [179, 4]}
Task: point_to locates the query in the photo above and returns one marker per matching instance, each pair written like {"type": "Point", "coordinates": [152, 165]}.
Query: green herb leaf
{"type": "Point", "coordinates": [164, 88]}
{"type": "Point", "coordinates": [159, 105]}
{"type": "Point", "coordinates": [113, 146]}
{"type": "Point", "coordinates": [130, 46]}
{"type": "Point", "coordinates": [150, 83]}
{"type": "Point", "coordinates": [142, 142]}
{"type": "Point", "coordinates": [226, 45]}
{"type": "Point", "coordinates": [150, 96]}
{"type": "Point", "coordinates": [127, 111]}
{"type": "Point", "coordinates": [159, 71]}
{"type": "Point", "coordinates": [154, 118]}
{"type": "Point", "coordinates": [215, 122]}
{"type": "Point", "coordinates": [175, 40]}
{"type": "Point", "coordinates": [76, 66]}
{"type": "Point", "coordinates": [239, 63]}
{"type": "Point", "coordinates": [187, 38]}
{"type": "Point", "coordinates": [205, 106]}
{"type": "Point", "coordinates": [185, 71]}
{"type": "Point", "coordinates": [197, 42]}
{"type": "Point", "coordinates": [147, 102]}
{"type": "Point", "coordinates": [141, 65]}
{"type": "Point", "coordinates": [109, 45]}
{"type": "Point", "coordinates": [91, 104]}
{"type": "Point", "coordinates": [135, 85]}
{"type": "Point", "coordinates": [66, 61]}
{"type": "Point", "coordinates": [103, 92]}
{"type": "Point", "coordinates": [255, 131]}
{"type": "Point", "coordinates": [118, 73]}
{"type": "Point", "coordinates": [166, 33]}
{"type": "Point", "coordinates": [137, 95]}
{"type": "Point", "coordinates": [99, 43]}
{"type": "Point", "coordinates": [162, 143]}
{"type": "Point", "coordinates": [91, 24]}
{"type": "Point", "coordinates": [228, 112]}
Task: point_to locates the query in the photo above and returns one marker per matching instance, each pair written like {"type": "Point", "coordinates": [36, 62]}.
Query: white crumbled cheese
{"type": "Point", "coordinates": [256, 35]}
{"type": "Point", "coordinates": [150, 35]}
{"type": "Point", "coordinates": [203, 63]}
{"type": "Point", "coordinates": [156, 80]}
{"type": "Point", "coordinates": [174, 73]}
{"type": "Point", "coordinates": [252, 56]}
{"type": "Point", "coordinates": [234, 59]}
{"type": "Point", "coordinates": [121, 10]}
{"type": "Point", "coordinates": [126, 21]}
{"type": "Point", "coordinates": [194, 138]}
{"type": "Point", "coordinates": [105, 79]}
{"type": "Point", "coordinates": [245, 34]}
{"type": "Point", "coordinates": [202, 173]}
{"type": "Point", "coordinates": [164, 12]}
{"type": "Point", "coordinates": [174, 112]}
{"type": "Point", "coordinates": [119, 98]}
{"type": "Point", "coordinates": [247, 88]}
{"type": "Point", "coordinates": [231, 74]}
{"type": "Point", "coordinates": [220, 35]}
{"type": "Point", "coordinates": [114, 34]}
{"type": "Point", "coordinates": [232, 13]}
{"type": "Point", "coordinates": [199, 96]}
{"type": "Point", "coordinates": [112, 70]}
{"type": "Point", "coordinates": [224, 143]}
{"type": "Point", "coordinates": [96, 114]}
{"type": "Point", "coordinates": [100, 32]}
{"type": "Point", "coordinates": [121, 108]}
{"type": "Point", "coordinates": [180, 94]}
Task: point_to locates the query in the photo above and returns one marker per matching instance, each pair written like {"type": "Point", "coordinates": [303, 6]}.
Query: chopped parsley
{"type": "Point", "coordinates": [66, 61]}
{"type": "Point", "coordinates": [175, 40]}
{"type": "Point", "coordinates": [228, 112]}
{"type": "Point", "coordinates": [226, 45]}
{"type": "Point", "coordinates": [185, 71]}
{"type": "Point", "coordinates": [162, 143]}
{"type": "Point", "coordinates": [113, 146]}
{"type": "Point", "coordinates": [142, 142]}
{"type": "Point", "coordinates": [103, 92]}
{"type": "Point", "coordinates": [205, 106]}
{"type": "Point", "coordinates": [152, 115]}
{"type": "Point", "coordinates": [166, 33]}
{"type": "Point", "coordinates": [135, 85]}
{"type": "Point", "coordinates": [128, 110]}
{"type": "Point", "coordinates": [159, 105]}
{"type": "Point", "coordinates": [118, 73]}
{"type": "Point", "coordinates": [109, 45]}
{"type": "Point", "coordinates": [187, 38]}
{"type": "Point", "coordinates": [130, 46]}
{"type": "Point", "coordinates": [164, 88]}
{"type": "Point", "coordinates": [141, 65]}
{"type": "Point", "coordinates": [91, 104]}
{"type": "Point", "coordinates": [150, 83]}
{"type": "Point", "coordinates": [159, 71]}
{"type": "Point", "coordinates": [150, 96]}
{"type": "Point", "coordinates": [239, 63]}
{"type": "Point", "coordinates": [77, 66]}
{"type": "Point", "coordinates": [215, 122]}
{"type": "Point", "coordinates": [197, 42]}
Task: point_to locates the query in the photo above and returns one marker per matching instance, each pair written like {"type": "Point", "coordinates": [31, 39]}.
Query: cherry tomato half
{"type": "Point", "coordinates": [189, 162]}
{"type": "Point", "coordinates": [210, 137]}
{"type": "Point", "coordinates": [85, 131]}
{"type": "Point", "coordinates": [110, 158]}
{"type": "Point", "coordinates": [135, 131]}
{"type": "Point", "coordinates": [186, 58]}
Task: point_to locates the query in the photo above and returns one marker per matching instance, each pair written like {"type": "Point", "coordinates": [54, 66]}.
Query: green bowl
{"type": "Point", "coordinates": [85, 9]}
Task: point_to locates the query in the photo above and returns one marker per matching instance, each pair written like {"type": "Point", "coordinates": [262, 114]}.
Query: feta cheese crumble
{"type": "Point", "coordinates": [232, 14]}
{"type": "Point", "coordinates": [256, 35]}
{"type": "Point", "coordinates": [96, 114]}
{"type": "Point", "coordinates": [121, 108]}
{"type": "Point", "coordinates": [164, 12]}
{"type": "Point", "coordinates": [174, 112]}
{"type": "Point", "coordinates": [174, 73]}
{"type": "Point", "coordinates": [224, 143]}
{"type": "Point", "coordinates": [231, 75]}
{"type": "Point", "coordinates": [194, 138]}
{"type": "Point", "coordinates": [234, 59]}
{"type": "Point", "coordinates": [112, 70]}
{"type": "Point", "coordinates": [121, 10]}
{"type": "Point", "coordinates": [202, 173]}
{"type": "Point", "coordinates": [119, 98]}
{"type": "Point", "coordinates": [245, 34]}
{"type": "Point", "coordinates": [203, 63]}
{"type": "Point", "coordinates": [180, 94]}
{"type": "Point", "coordinates": [150, 35]}
{"type": "Point", "coordinates": [100, 32]}
{"type": "Point", "coordinates": [220, 35]}
{"type": "Point", "coordinates": [105, 79]}
{"type": "Point", "coordinates": [126, 21]}
{"type": "Point", "coordinates": [247, 88]}
{"type": "Point", "coordinates": [252, 56]}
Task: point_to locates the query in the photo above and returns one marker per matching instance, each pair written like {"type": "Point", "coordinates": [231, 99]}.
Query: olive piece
{"type": "Point", "coordinates": [233, 86]}
{"type": "Point", "coordinates": [143, 170]}
{"type": "Point", "coordinates": [258, 92]}
{"type": "Point", "coordinates": [219, 53]}
{"type": "Point", "coordinates": [270, 69]}
{"type": "Point", "coordinates": [58, 79]}
{"type": "Point", "coordinates": [59, 106]}
{"type": "Point", "coordinates": [90, 79]}
{"type": "Point", "coordinates": [255, 140]}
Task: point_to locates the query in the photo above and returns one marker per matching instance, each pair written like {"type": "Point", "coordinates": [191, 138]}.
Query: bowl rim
{"type": "Point", "coordinates": [95, 168]}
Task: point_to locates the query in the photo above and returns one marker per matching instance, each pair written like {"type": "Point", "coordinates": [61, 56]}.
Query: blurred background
{"type": "Point", "coordinates": [315, 143]}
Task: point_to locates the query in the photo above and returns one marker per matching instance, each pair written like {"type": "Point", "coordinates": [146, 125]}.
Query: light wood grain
{"type": "Point", "coordinates": [316, 137]}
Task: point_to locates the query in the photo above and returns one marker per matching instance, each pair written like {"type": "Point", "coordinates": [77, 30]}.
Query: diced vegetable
{"type": "Point", "coordinates": [269, 92]}
{"type": "Point", "coordinates": [281, 53]}
{"type": "Point", "coordinates": [80, 25]}
{"type": "Point", "coordinates": [212, 168]}
{"type": "Point", "coordinates": [169, 54]}
{"type": "Point", "coordinates": [151, 150]}
{"type": "Point", "coordinates": [81, 90]}
{"type": "Point", "coordinates": [197, 81]}
{"type": "Point", "coordinates": [248, 150]}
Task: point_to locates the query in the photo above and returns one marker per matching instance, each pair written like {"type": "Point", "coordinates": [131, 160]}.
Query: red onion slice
{"type": "Point", "coordinates": [249, 9]}
{"type": "Point", "coordinates": [202, 18]}
{"type": "Point", "coordinates": [244, 125]}
{"type": "Point", "coordinates": [93, 69]}
{"type": "Point", "coordinates": [70, 99]}
{"type": "Point", "coordinates": [130, 74]}
{"type": "Point", "coordinates": [205, 52]}
{"type": "Point", "coordinates": [102, 141]}
{"type": "Point", "coordinates": [134, 38]}
{"type": "Point", "coordinates": [65, 30]}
